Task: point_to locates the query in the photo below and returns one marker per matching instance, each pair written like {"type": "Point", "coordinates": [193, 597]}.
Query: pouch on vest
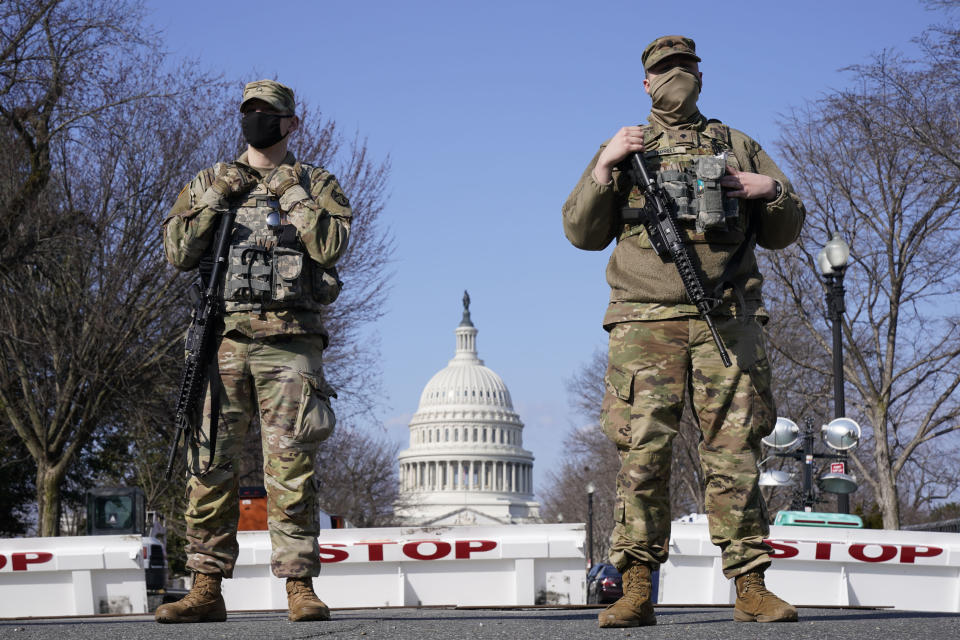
{"type": "Point", "coordinates": [258, 274]}
{"type": "Point", "coordinates": [714, 210]}
{"type": "Point", "coordinates": [711, 214]}
{"type": "Point", "coordinates": [248, 274]}
{"type": "Point", "coordinates": [287, 266]}
{"type": "Point", "coordinates": [679, 186]}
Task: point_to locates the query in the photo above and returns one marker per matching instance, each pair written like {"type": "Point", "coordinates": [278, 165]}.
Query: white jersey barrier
{"type": "Point", "coordinates": [77, 575]}
{"type": "Point", "coordinates": [911, 570]}
{"type": "Point", "coordinates": [411, 566]}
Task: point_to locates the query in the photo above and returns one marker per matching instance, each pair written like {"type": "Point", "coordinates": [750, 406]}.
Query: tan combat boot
{"type": "Point", "coordinates": [303, 602]}
{"type": "Point", "coordinates": [756, 604]}
{"type": "Point", "coordinates": [634, 609]}
{"type": "Point", "coordinates": [204, 603]}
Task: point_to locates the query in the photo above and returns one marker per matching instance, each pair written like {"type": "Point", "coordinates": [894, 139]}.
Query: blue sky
{"type": "Point", "coordinates": [489, 112]}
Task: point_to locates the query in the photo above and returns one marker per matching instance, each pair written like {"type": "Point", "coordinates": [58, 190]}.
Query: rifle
{"type": "Point", "coordinates": [199, 346]}
{"type": "Point", "coordinates": [666, 241]}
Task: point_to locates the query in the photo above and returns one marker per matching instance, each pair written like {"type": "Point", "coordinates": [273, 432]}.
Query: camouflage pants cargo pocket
{"type": "Point", "coordinates": [615, 414]}
{"type": "Point", "coordinates": [315, 418]}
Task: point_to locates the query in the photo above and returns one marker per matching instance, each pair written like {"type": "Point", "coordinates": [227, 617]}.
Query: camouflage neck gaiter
{"type": "Point", "coordinates": [674, 95]}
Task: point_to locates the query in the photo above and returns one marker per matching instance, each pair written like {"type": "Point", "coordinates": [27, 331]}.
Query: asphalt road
{"type": "Point", "coordinates": [514, 624]}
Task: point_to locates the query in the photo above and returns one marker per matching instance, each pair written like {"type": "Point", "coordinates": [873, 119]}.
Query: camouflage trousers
{"type": "Point", "coordinates": [282, 378]}
{"type": "Point", "coordinates": [652, 364]}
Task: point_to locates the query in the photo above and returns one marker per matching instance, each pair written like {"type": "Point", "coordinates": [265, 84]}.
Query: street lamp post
{"type": "Point", "coordinates": [807, 453]}
{"type": "Point", "coordinates": [590, 490]}
{"type": "Point", "coordinates": [832, 261]}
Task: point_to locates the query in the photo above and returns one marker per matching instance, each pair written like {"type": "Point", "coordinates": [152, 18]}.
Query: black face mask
{"type": "Point", "coordinates": [261, 130]}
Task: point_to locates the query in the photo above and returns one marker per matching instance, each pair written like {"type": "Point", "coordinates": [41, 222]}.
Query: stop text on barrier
{"type": "Point", "coordinates": [21, 560]}
{"type": "Point", "coordinates": [405, 550]}
{"type": "Point", "coordinates": [862, 551]}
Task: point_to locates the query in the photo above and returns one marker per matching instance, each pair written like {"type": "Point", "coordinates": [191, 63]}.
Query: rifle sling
{"type": "Point", "coordinates": [216, 388]}
{"type": "Point", "coordinates": [733, 264]}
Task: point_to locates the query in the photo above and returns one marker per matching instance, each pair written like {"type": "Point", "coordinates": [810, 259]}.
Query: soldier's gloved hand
{"type": "Point", "coordinates": [281, 179]}
{"type": "Point", "coordinates": [284, 182]}
{"type": "Point", "coordinates": [233, 182]}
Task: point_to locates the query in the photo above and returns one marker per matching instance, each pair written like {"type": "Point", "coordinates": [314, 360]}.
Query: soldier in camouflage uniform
{"type": "Point", "coordinates": [726, 195]}
{"type": "Point", "coordinates": [292, 224]}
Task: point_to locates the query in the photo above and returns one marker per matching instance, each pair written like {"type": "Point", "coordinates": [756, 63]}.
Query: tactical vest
{"type": "Point", "coordinates": [267, 267]}
{"type": "Point", "coordinates": [688, 165]}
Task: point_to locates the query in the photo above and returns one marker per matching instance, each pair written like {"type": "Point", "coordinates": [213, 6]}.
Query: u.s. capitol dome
{"type": "Point", "coordinates": [466, 463]}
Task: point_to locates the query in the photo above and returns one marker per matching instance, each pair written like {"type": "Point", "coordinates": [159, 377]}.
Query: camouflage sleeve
{"type": "Point", "coordinates": [778, 221]}
{"type": "Point", "coordinates": [188, 227]}
{"type": "Point", "coordinates": [591, 213]}
{"type": "Point", "coordinates": [322, 216]}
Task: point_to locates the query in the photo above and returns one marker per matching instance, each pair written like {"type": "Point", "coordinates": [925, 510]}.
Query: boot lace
{"type": "Point", "coordinates": [753, 583]}
{"type": "Point", "coordinates": [634, 586]}
{"type": "Point", "coordinates": [204, 589]}
{"type": "Point", "coordinates": [300, 589]}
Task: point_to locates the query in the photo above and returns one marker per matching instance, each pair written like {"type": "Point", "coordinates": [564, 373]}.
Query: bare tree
{"type": "Point", "coordinates": [927, 481]}
{"type": "Point", "coordinates": [91, 317]}
{"type": "Point", "coordinates": [84, 327]}
{"type": "Point", "coordinates": [590, 457]}
{"type": "Point", "coordinates": [356, 477]}
{"type": "Point", "coordinates": [871, 162]}
{"type": "Point", "coordinates": [17, 483]}
{"type": "Point", "coordinates": [60, 63]}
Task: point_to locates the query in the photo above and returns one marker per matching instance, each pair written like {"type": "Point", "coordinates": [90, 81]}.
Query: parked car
{"type": "Point", "coordinates": [593, 570]}
{"type": "Point", "coordinates": [605, 585]}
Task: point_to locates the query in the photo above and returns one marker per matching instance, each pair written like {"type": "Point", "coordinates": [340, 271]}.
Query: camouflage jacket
{"type": "Point", "coordinates": [642, 287]}
{"type": "Point", "coordinates": [323, 228]}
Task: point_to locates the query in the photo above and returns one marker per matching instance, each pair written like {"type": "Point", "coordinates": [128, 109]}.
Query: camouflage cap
{"type": "Point", "coordinates": [272, 92]}
{"type": "Point", "coordinates": [666, 46]}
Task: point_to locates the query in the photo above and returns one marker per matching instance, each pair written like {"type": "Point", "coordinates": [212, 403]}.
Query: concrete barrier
{"type": "Point", "coordinates": [492, 566]}
{"type": "Point", "coordinates": [79, 575]}
{"type": "Point", "coordinates": [409, 566]}
{"type": "Point", "coordinates": [910, 570]}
